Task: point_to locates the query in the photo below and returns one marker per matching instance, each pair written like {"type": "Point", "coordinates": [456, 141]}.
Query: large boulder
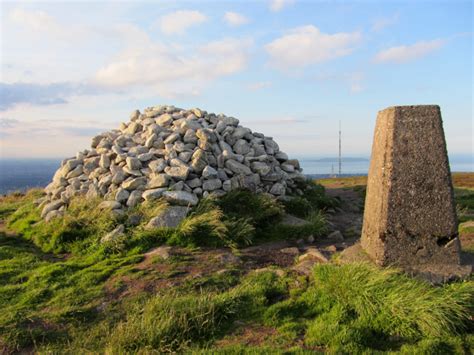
{"type": "Point", "coordinates": [171, 217]}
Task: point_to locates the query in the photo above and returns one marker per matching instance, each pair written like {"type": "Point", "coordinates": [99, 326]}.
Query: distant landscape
{"type": "Point", "coordinates": [21, 174]}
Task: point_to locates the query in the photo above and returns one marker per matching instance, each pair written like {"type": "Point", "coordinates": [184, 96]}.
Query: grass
{"type": "Point", "coordinates": [38, 288]}
{"type": "Point", "coordinates": [62, 291]}
{"type": "Point", "coordinates": [355, 308]}
{"type": "Point", "coordinates": [57, 304]}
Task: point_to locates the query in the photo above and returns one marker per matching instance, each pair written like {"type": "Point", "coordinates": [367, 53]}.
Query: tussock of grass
{"type": "Point", "coordinates": [83, 221]}
{"type": "Point", "coordinates": [350, 308]}
{"type": "Point", "coordinates": [237, 219]}
{"type": "Point", "coordinates": [206, 229]}
{"type": "Point", "coordinates": [174, 322]}
{"type": "Point", "coordinates": [36, 288]}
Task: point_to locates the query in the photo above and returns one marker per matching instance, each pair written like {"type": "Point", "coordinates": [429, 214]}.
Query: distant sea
{"type": "Point", "coordinates": [22, 174]}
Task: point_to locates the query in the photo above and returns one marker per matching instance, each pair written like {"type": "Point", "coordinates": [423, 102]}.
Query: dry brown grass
{"type": "Point", "coordinates": [460, 180]}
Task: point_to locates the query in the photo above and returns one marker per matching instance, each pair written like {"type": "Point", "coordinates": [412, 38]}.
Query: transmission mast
{"type": "Point", "coordinates": [340, 160]}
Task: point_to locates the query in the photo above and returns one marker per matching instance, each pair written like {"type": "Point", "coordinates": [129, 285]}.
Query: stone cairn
{"type": "Point", "coordinates": [175, 154]}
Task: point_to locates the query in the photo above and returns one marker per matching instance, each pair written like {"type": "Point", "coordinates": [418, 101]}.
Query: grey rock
{"type": "Point", "coordinates": [241, 147]}
{"type": "Point", "coordinates": [227, 185]}
{"type": "Point", "coordinates": [178, 186]}
{"type": "Point", "coordinates": [109, 205]}
{"type": "Point", "coordinates": [164, 120]}
{"type": "Point", "coordinates": [145, 157]}
{"type": "Point", "coordinates": [171, 138]}
{"type": "Point", "coordinates": [260, 168]}
{"type": "Point", "coordinates": [230, 121]}
{"type": "Point", "coordinates": [134, 183]}
{"type": "Point", "coordinates": [288, 168]}
{"type": "Point", "coordinates": [77, 171]}
{"type": "Point", "coordinates": [209, 172]}
{"type": "Point", "coordinates": [52, 206]}
{"type": "Point", "coordinates": [121, 195]}
{"type": "Point", "coordinates": [271, 146]}
{"type": "Point", "coordinates": [135, 198]}
{"type": "Point", "coordinates": [199, 160]}
{"type": "Point", "coordinates": [190, 136]}
{"type": "Point", "coordinates": [237, 167]}
{"type": "Point", "coordinates": [133, 163]}
{"type": "Point", "coordinates": [104, 161]}
{"type": "Point", "coordinates": [118, 177]}
{"type": "Point", "coordinates": [153, 194]}
{"type": "Point", "coordinates": [164, 252]}
{"type": "Point", "coordinates": [182, 198]}
{"type": "Point", "coordinates": [177, 172]}
{"type": "Point", "coordinates": [157, 166]}
{"type": "Point", "coordinates": [294, 162]}
{"type": "Point", "coordinates": [196, 182]}
{"type": "Point", "coordinates": [170, 218]}
{"type": "Point", "coordinates": [114, 235]}
{"type": "Point", "coordinates": [52, 215]}
{"type": "Point", "coordinates": [281, 156]}
{"type": "Point", "coordinates": [211, 185]}
{"type": "Point", "coordinates": [151, 140]}
{"type": "Point", "coordinates": [278, 189]}
{"type": "Point", "coordinates": [132, 128]}
{"type": "Point", "coordinates": [159, 180]}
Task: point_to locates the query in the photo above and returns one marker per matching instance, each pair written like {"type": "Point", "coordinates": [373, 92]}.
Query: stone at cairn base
{"type": "Point", "coordinates": [410, 217]}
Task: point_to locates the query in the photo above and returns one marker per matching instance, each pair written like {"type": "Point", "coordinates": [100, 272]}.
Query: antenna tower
{"type": "Point", "coordinates": [340, 161]}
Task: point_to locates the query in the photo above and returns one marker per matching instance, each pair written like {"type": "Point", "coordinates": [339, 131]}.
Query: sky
{"type": "Point", "coordinates": [287, 68]}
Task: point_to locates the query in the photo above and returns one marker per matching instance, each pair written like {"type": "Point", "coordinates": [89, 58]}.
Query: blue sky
{"type": "Point", "coordinates": [290, 69]}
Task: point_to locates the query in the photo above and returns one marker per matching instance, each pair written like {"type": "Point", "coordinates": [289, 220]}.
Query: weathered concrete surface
{"type": "Point", "coordinates": [410, 217]}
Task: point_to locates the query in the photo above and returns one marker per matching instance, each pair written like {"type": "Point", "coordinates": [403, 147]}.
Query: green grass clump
{"type": "Point", "coordinates": [316, 195]}
{"type": "Point", "coordinates": [173, 322]}
{"type": "Point", "coordinates": [11, 202]}
{"type": "Point", "coordinates": [40, 293]}
{"type": "Point", "coordinates": [464, 204]}
{"type": "Point", "coordinates": [260, 210]}
{"type": "Point", "coordinates": [313, 200]}
{"type": "Point", "coordinates": [237, 219]}
{"type": "Point", "coordinates": [354, 308]}
{"type": "Point", "coordinates": [316, 226]}
{"type": "Point", "coordinates": [83, 221]}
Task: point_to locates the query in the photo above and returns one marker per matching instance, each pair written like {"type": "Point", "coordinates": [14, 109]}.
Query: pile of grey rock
{"type": "Point", "coordinates": [175, 154]}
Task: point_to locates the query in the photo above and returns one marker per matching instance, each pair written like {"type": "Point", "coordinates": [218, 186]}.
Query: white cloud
{"type": "Point", "coordinates": [383, 22]}
{"type": "Point", "coordinates": [402, 54]}
{"type": "Point", "coordinates": [259, 85]}
{"type": "Point", "coordinates": [171, 70]}
{"type": "Point", "coordinates": [307, 45]}
{"type": "Point", "coordinates": [235, 19]}
{"type": "Point", "coordinates": [356, 88]}
{"type": "Point", "coordinates": [180, 21]}
{"type": "Point", "coordinates": [36, 20]}
{"type": "Point", "coordinates": [278, 5]}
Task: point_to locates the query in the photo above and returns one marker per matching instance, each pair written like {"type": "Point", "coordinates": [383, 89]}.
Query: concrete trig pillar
{"type": "Point", "coordinates": [410, 215]}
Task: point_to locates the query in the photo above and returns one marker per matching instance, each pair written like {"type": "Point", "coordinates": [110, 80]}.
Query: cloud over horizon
{"type": "Point", "coordinates": [12, 94]}
{"type": "Point", "coordinates": [173, 70]}
{"type": "Point", "coordinates": [180, 21]}
{"type": "Point", "coordinates": [278, 5]}
{"type": "Point", "coordinates": [235, 19]}
{"type": "Point", "coordinates": [403, 54]}
{"type": "Point", "coordinates": [307, 45]}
